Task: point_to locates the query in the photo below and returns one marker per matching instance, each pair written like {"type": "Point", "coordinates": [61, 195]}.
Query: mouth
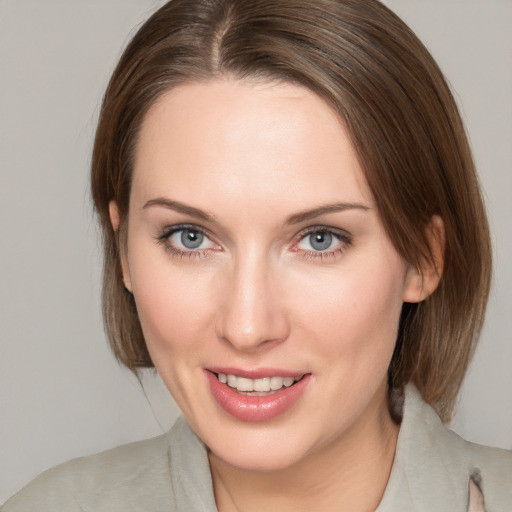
{"type": "Point", "coordinates": [256, 395]}
{"type": "Point", "coordinates": [257, 387]}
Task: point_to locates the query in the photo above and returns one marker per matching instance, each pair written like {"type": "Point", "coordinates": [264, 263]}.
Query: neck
{"type": "Point", "coordinates": [350, 473]}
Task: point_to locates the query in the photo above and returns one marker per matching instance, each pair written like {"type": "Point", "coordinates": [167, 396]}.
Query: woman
{"type": "Point", "coordinates": [295, 239]}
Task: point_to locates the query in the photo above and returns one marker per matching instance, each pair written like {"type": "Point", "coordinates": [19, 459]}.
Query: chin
{"type": "Point", "coordinates": [255, 458]}
{"type": "Point", "coordinates": [261, 447]}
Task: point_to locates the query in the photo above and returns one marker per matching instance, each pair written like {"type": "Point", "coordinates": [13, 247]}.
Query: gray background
{"type": "Point", "coordinates": [61, 392]}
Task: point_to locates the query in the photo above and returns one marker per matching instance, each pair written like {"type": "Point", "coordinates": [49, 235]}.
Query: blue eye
{"type": "Point", "coordinates": [189, 239]}
{"type": "Point", "coordinates": [322, 240]}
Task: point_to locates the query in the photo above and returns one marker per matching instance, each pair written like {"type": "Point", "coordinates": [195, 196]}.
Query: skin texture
{"type": "Point", "coordinates": [257, 294]}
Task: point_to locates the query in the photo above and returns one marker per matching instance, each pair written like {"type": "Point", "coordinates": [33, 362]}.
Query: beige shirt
{"type": "Point", "coordinates": [431, 473]}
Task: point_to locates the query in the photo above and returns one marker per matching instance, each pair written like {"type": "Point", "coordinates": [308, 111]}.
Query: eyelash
{"type": "Point", "coordinates": [164, 239]}
{"type": "Point", "coordinates": [344, 238]}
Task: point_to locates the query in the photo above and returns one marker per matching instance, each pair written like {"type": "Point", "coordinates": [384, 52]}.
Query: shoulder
{"type": "Point", "coordinates": [130, 477]}
{"type": "Point", "coordinates": [434, 466]}
{"type": "Point", "coordinates": [493, 464]}
{"type": "Point", "coordinates": [490, 468]}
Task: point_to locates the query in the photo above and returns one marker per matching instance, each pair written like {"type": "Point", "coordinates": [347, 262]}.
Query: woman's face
{"type": "Point", "coordinates": [256, 255]}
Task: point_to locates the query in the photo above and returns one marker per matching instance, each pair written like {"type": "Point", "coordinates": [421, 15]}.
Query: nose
{"type": "Point", "coordinates": [253, 314]}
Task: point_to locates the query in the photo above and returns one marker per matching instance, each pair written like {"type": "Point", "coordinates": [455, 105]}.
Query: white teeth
{"type": "Point", "coordinates": [264, 384]}
{"type": "Point", "coordinates": [276, 383]}
{"type": "Point", "coordinates": [244, 384]}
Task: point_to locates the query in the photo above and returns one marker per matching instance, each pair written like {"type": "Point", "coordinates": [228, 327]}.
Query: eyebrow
{"type": "Point", "coordinates": [179, 207]}
{"type": "Point", "coordinates": [292, 219]}
{"type": "Point", "coordinates": [321, 210]}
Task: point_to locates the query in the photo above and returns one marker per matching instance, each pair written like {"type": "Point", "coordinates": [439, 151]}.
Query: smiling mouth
{"type": "Point", "coordinates": [256, 399]}
{"type": "Point", "coordinates": [257, 387]}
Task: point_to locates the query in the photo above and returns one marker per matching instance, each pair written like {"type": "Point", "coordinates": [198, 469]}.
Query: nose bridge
{"type": "Point", "coordinates": [252, 314]}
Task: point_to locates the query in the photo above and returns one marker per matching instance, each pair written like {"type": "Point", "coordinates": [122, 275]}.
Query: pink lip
{"type": "Point", "coordinates": [255, 408]}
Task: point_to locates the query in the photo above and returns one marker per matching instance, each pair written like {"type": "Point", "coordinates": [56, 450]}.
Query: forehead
{"type": "Point", "coordinates": [239, 139]}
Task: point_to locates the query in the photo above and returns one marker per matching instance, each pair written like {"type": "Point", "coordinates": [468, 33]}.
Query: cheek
{"type": "Point", "coordinates": [354, 313]}
{"type": "Point", "coordinates": [176, 315]}
{"type": "Point", "coordinates": [175, 308]}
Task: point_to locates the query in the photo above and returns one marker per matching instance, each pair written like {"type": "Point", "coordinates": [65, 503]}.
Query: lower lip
{"type": "Point", "coordinates": [256, 408]}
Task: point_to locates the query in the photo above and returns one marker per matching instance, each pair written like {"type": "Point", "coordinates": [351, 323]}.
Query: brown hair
{"type": "Point", "coordinates": [402, 119]}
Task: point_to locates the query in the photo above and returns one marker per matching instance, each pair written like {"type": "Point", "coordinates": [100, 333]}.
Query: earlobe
{"type": "Point", "coordinates": [422, 281]}
{"type": "Point", "coordinates": [114, 215]}
{"type": "Point", "coordinates": [115, 220]}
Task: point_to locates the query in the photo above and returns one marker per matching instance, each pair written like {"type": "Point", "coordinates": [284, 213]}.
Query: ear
{"type": "Point", "coordinates": [115, 219]}
{"type": "Point", "coordinates": [422, 281]}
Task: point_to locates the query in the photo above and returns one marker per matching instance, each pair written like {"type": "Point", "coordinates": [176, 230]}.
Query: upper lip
{"type": "Point", "coordinates": [255, 373]}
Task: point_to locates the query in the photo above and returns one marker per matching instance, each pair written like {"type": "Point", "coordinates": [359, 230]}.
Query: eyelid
{"type": "Point", "coordinates": [344, 237]}
{"type": "Point", "coordinates": [168, 231]}
{"type": "Point", "coordinates": [342, 234]}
